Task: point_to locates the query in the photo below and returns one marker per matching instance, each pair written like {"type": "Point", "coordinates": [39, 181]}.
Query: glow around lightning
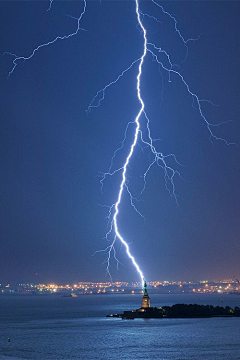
{"type": "Point", "coordinates": [141, 123]}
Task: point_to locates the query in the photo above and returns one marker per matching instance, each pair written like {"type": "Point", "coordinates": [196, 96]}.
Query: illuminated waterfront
{"type": "Point", "coordinates": [155, 287]}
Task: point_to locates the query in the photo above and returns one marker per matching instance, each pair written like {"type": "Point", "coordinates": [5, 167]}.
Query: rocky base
{"type": "Point", "coordinates": [180, 311]}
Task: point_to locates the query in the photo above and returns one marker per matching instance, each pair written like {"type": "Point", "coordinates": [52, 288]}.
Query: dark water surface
{"type": "Point", "coordinates": [53, 327]}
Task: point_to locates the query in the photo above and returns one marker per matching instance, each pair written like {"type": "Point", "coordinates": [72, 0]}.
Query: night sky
{"type": "Point", "coordinates": [52, 152]}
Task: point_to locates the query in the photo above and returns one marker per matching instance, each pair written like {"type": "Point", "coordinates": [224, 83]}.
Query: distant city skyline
{"type": "Point", "coordinates": [228, 286]}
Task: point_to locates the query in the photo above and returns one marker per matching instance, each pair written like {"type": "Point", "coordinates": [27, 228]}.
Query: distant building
{"type": "Point", "coordinates": [145, 298]}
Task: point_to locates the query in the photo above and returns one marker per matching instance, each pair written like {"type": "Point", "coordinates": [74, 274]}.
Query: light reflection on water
{"type": "Point", "coordinates": [53, 327]}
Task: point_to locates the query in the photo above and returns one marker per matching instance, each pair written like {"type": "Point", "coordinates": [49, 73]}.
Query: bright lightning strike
{"type": "Point", "coordinates": [123, 182]}
{"type": "Point", "coordinates": [158, 157]}
{"type": "Point", "coordinates": [142, 133]}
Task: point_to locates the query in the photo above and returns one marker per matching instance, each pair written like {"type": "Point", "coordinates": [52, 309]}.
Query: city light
{"type": "Point", "coordinates": [229, 286]}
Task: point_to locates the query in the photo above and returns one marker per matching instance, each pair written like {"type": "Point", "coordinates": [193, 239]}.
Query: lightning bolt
{"type": "Point", "coordinates": [50, 5]}
{"type": "Point", "coordinates": [141, 123]}
{"type": "Point", "coordinates": [158, 157]}
{"type": "Point", "coordinates": [17, 58]}
{"type": "Point", "coordinates": [123, 182]}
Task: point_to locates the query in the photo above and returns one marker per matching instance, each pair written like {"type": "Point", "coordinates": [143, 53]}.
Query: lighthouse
{"type": "Point", "coordinates": [145, 298]}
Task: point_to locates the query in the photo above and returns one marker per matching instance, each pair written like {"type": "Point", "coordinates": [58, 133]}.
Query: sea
{"type": "Point", "coordinates": [53, 327]}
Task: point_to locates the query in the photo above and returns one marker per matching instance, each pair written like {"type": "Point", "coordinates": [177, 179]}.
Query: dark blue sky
{"type": "Point", "coordinates": [52, 152]}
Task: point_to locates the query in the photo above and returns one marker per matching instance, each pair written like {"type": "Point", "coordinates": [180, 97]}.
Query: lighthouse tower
{"type": "Point", "coordinates": [145, 298]}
